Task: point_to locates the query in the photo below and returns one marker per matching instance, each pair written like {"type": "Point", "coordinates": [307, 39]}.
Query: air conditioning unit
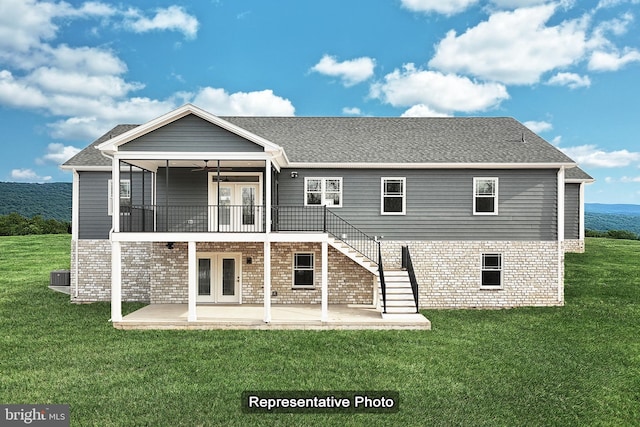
{"type": "Point", "coordinates": [60, 278]}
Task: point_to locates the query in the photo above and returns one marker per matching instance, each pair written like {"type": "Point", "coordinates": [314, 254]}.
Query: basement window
{"type": "Point", "coordinates": [303, 270]}
{"type": "Point", "coordinates": [491, 271]}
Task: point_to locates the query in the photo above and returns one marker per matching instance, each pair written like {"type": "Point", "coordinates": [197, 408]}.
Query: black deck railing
{"type": "Point", "coordinates": [322, 219]}
{"type": "Point", "coordinates": [198, 219]}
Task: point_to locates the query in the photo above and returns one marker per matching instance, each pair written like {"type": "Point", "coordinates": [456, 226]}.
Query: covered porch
{"type": "Point", "coordinates": [283, 316]}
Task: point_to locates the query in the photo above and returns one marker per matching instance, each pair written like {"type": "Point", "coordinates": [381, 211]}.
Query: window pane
{"type": "Point", "coordinates": [204, 276]}
{"type": "Point", "coordinates": [333, 198]}
{"type": "Point", "coordinates": [303, 278]}
{"type": "Point", "coordinates": [332, 185]}
{"type": "Point", "coordinates": [485, 204]}
{"type": "Point", "coordinates": [228, 276]}
{"type": "Point", "coordinates": [303, 261]}
{"type": "Point", "coordinates": [485, 187]}
{"type": "Point", "coordinates": [125, 189]}
{"type": "Point", "coordinates": [491, 261]}
{"type": "Point", "coordinates": [491, 278]}
{"type": "Point", "coordinates": [393, 187]}
{"type": "Point", "coordinates": [393, 204]}
{"type": "Point", "coordinates": [314, 198]}
{"type": "Point", "coordinates": [314, 185]}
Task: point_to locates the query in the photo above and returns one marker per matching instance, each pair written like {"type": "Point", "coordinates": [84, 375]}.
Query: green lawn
{"type": "Point", "coordinates": [572, 365]}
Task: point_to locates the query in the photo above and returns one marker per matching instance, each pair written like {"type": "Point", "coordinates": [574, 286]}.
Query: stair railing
{"type": "Point", "coordinates": [383, 286]}
{"type": "Point", "coordinates": [412, 275]}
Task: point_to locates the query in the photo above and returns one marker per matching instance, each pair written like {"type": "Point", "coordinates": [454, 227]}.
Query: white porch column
{"type": "Point", "coordinates": [115, 194]}
{"type": "Point", "coordinates": [193, 274]}
{"type": "Point", "coordinates": [324, 313]}
{"type": "Point", "coordinates": [267, 280]}
{"type": "Point", "coordinates": [581, 208]}
{"type": "Point", "coordinates": [561, 185]}
{"type": "Point", "coordinates": [267, 196]}
{"type": "Point", "coordinates": [116, 282]}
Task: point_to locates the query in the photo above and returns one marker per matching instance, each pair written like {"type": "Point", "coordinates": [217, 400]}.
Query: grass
{"type": "Point", "coordinates": [564, 366]}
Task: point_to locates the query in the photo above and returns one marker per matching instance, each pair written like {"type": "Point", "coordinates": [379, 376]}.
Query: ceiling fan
{"type": "Point", "coordinates": [207, 168]}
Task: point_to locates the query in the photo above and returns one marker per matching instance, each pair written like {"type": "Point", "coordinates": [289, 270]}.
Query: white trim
{"type": "Point", "coordinates": [115, 176]}
{"type": "Point", "coordinates": [267, 281]}
{"type": "Point", "coordinates": [185, 237]}
{"type": "Point", "coordinates": [267, 196]}
{"type": "Point", "coordinates": [323, 190]}
{"type": "Point", "coordinates": [75, 206]}
{"type": "Point", "coordinates": [185, 155]}
{"type": "Point", "coordinates": [465, 165]}
{"type": "Point", "coordinates": [561, 207]}
{"type": "Point", "coordinates": [193, 282]}
{"type": "Point", "coordinates": [581, 212]}
{"type": "Point", "coordinates": [110, 199]}
{"type": "Point", "coordinates": [116, 282]}
{"type": "Point", "coordinates": [495, 196]}
{"type": "Point", "coordinates": [324, 283]}
{"type": "Point", "coordinates": [216, 291]}
{"type": "Point", "coordinates": [404, 195]}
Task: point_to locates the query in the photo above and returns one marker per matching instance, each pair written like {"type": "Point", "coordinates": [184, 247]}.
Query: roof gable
{"type": "Point", "coordinates": [113, 145]}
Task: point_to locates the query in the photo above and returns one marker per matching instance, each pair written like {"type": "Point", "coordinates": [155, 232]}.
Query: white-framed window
{"type": "Point", "coordinates": [485, 196]}
{"type": "Point", "coordinates": [125, 194]}
{"type": "Point", "coordinates": [393, 192]}
{"type": "Point", "coordinates": [303, 270]}
{"type": "Point", "coordinates": [323, 192]}
{"type": "Point", "coordinates": [491, 271]}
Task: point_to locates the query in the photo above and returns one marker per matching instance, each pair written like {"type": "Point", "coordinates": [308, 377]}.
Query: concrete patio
{"type": "Point", "coordinates": [249, 316]}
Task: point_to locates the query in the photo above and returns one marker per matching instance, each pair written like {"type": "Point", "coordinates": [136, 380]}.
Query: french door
{"type": "Point", "coordinates": [219, 277]}
{"type": "Point", "coordinates": [237, 208]}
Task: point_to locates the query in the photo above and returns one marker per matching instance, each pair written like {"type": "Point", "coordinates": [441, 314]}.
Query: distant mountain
{"type": "Point", "coordinates": [604, 217]}
{"type": "Point", "coordinates": [50, 201]}
{"type": "Point", "coordinates": [602, 208]}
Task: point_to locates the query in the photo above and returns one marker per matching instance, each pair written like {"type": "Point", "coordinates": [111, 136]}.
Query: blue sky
{"type": "Point", "coordinates": [69, 71]}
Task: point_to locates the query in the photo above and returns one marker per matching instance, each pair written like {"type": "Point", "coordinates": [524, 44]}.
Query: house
{"type": "Point", "coordinates": [191, 208]}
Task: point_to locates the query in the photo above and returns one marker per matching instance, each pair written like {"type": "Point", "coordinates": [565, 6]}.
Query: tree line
{"type": "Point", "coordinates": [15, 224]}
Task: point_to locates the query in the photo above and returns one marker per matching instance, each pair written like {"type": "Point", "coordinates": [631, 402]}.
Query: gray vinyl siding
{"type": "Point", "coordinates": [440, 203]}
{"type": "Point", "coordinates": [191, 134]}
{"type": "Point", "coordinates": [572, 211]}
{"type": "Point", "coordinates": [94, 219]}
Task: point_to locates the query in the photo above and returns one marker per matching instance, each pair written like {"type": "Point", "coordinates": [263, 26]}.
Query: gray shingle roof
{"type": "Point", "coordinates": [403, 140]}
{"type": "Point", "coordinates": [577, 174]}
{"type": "Point", "coordinates": [385, 140]}
{"type": "Point", "coordinates": [90, 156]}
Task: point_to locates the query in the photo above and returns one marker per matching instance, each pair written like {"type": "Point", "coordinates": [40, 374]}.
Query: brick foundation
{"type": "Point", "coordinates": [449, 273]}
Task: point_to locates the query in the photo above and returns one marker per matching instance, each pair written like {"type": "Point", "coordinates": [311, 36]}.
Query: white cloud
{"type": "Point", "coordinates": [612, 61]}
{"type": "Point", "coordinates": [572, 80]}
{"type": "Point", "coordinates": [592, 156]}
{"type": "Point", "coordinates": [609, 180]}
{"type": "Point", "coordinates": [259, 103]}
{"type": "Point", "coordinates": [55, 80]}
{"type": "Point", "coordinates": [538, 127]}
{"type": "Point", "coordinates": [445, 7]}
{"type": "Point", "coordinates": [57, 154]}
{"type": "Point", "coordinates": [352, 111]}
{"type": "Point", "coordinates": [442, 93]}
{"type": "Point", "coordinates": [421, 110]}
{"type": "Point", "coordinates": [513, 47]}
{"type": "Point", "coordinates": [28, 175]}
{"type": "Point", "coordinates": [611, 3]}
{"type": "Point", "coordinates": [173, 18]}
{"type": "Point", "coordinates": [628, 179]}
{"type": "Point", "coordinates": [351, 72]}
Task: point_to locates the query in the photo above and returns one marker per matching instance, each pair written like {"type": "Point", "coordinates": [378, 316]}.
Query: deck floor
{"type": "Point", "coordinates": [250, 316]}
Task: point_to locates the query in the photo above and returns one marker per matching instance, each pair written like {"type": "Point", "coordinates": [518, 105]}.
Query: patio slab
{"type": "Point", "coordinates": [250, 316]}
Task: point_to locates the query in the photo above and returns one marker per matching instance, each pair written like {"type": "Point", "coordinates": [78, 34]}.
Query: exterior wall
{"type": "Point", "coordinates": [153, 273]}
{"type": "Point", "coordinates": [94, 271]}
{"type": "Point", "coordinates": [194, 134]}
{"type": "Point", "coordinates": [572, 211]}
{"type": "Point", "coordinates": [449, 273]}
{"type": "Point", "coordinates": [348, 282]}
{"type": "Point", "coordinates": [440, 203]}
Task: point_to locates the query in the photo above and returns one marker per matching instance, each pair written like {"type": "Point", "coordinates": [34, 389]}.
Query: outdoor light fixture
{"type": "Point", "coordinates": [169, 245]}
{"type": "Point", "coordinates": [294, 174]}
